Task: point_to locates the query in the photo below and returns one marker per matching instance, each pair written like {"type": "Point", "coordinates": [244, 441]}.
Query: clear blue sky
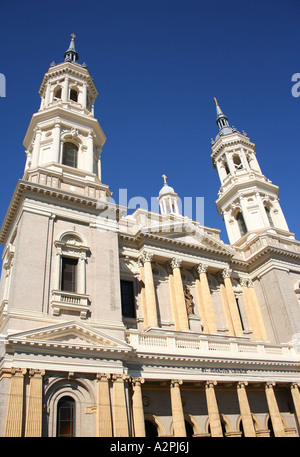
{"type": "Point", "coordinates": [157, 65]}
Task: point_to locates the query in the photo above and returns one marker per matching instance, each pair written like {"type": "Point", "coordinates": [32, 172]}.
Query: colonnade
{"type": "Point", "coordinates": [214, 416]}
{"type": "Point", "coordinates": [121, 413]}
{"type": "Point", "coordinates": [204, 298]}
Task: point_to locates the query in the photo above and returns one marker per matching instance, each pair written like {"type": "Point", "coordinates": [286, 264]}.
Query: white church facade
{"type": "Point", "coordinates": [115, 325]}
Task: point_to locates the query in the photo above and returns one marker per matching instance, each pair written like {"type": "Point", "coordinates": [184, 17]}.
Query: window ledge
{"type": "Point", "coordinates": [69, 301]}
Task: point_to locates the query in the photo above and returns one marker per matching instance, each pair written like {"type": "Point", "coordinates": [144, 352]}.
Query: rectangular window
{"type": "Point", "coordinates": [127, 299]}
{"type": "Point", "coordinates": [69, 274]}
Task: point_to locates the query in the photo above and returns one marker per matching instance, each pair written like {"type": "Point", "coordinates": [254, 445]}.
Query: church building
{"type": "Point", "coordinates": [145, 324]}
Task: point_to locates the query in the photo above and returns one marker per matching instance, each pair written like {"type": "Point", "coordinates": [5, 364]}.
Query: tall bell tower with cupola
{"type": "Point", "coordinates": [247, 200]}
{"type": "Point", "coordinates": [64, 140]}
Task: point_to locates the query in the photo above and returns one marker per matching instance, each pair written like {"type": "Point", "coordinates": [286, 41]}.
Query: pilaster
{"type": "Point", "coordinates": [150, 291]}
{"type": "Point", "coordinates": [120, 418]}
{"type": "Point", "coordinates": [14, 413]}
{"type": "Point", "coordinates": [35, 404]}
{"type": "Point", "coordinates": [236, 321]}
{"type": "Point", "coordinates": [179, 295]}
{"type": "Point", "coordinates": [206, 298]}
{"type": "Point", "coordinates": [104, 419]}
{"type": "Point", "coordinates": [256, 308]}
{"type": "Point", "coordinates": [143, 293]}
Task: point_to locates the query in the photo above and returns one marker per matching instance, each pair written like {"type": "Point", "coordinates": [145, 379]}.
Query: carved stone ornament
{"type": "Point", "coordinates": [175, 263]}
{"type": "Point", "coordinates": [243, 282]}
{"type": "Point", "coordinates": [202, 268]}
{"type": "Point", "coordinates": [147, 256]}
{"type": "Point", "coordinates": [226, 273]}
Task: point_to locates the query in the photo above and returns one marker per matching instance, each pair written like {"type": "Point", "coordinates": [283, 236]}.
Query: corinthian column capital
{"type": "Point", "coordinates": [175, 263]}
{"type": "Point", "coordinates": [226, 273]}
{"type": "Point", "coordinates": [147, 256]}
{"type": "Point", "coordinates": [202, 268]}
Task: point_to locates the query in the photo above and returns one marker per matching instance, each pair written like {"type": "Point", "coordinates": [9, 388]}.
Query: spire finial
{"type": "Point", "coordinates": [71, 54]}
{"type": "Point", "coordinates": [165, 178]}
{"type": "Point", "coordinates": [216, 102]}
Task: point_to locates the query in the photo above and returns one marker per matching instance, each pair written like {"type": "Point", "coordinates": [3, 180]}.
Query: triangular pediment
{"type": "Point", "coordinates": [72, 335]}
{"type": "Point", "coordinates": [190, 235]}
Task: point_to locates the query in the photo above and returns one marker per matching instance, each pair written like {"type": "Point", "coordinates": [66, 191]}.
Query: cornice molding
{"type": "Point", "coordinates": [69, 68]}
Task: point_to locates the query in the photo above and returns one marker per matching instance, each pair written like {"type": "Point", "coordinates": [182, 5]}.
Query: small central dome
{"type": "Point", "coordinates": [166, 190]}
{"type": "Point", "coordinates": [168, 199]}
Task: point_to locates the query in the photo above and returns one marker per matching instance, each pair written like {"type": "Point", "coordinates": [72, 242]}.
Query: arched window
{"type": "Point", "coordinates": [237, 162]}
{"type": "Point", "coordinates": [66, 417]}
{"type": "Point", "coordinates": [241, 223]}
{"type": "Point", "coordinates": [70, 153]}
{"type": "Point", "coordinates": [225, 164]}
{"type": "Point", "coordinates": [150, 428]}
{"type": "Point", "coordinates": [268, 211]}
{"type": "Point", "coordinates": [74, 94]}
{"type": "Point", "coordinates": [57, 93]}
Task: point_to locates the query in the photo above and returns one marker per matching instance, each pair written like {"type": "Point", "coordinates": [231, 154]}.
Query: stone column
{"type": "Point", "coordinates": [150, 291]}
{"type": "Point", "coordinates": [57, 269]}
{"type": "Point", "coordinates": [81, 283]}
{"type": "Point", "coordinates": [177, 411]}
{"type": "Point", "coordinates": [89, 159]}
{"type": "Point", "coordinates": [120, 418]}
{"type": "Point", "coordinates": [36, 149]}
{"type": "Point", "coordinates": [296, 399]}
{"type": "Point", "coordinates": [235, 317]}
{"type": "Point", "coordinates": [274, 410]}
{"type": "Point", "coordinates": [137, 408]}
{"type": "Point", "coordinates": [56, 143]}
{"type": "Point", "coordinates": [14, 413]}
{"type": "Point", "coordinates": [246, 415]}
{"type": "Point", "coordinates": [35, 404]}
{"type": "Point", "coordinates": [257, 311]}
{"type": "Point", "coordinates": [206, 298]}
{"type": "Point", "coordinates": [142, 289]}
{"type": "Point", "coordinates": [65, 90]}
{"type": "Point", "coordinates": [47, 94]}
{"type": "Point", "coordinates": [213, 411]}
{"type": "Point", "coordinates": [83, 95]}
{"type": "Point", "coordinates": [179, 295]}
{"type": "Point", "coordinates": [104, 422]}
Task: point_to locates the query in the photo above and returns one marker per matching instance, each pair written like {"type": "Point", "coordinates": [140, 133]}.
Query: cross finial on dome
{"type": "Point", "coordinates": [165, 178]}
{"type": "Point", "coordinates": [71, 54]}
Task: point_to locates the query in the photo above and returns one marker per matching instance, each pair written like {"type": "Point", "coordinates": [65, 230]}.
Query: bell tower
{"type": "Point", "coordinates": [247, 200]}
{"type": "Point", "coordinates": [64, 140]}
